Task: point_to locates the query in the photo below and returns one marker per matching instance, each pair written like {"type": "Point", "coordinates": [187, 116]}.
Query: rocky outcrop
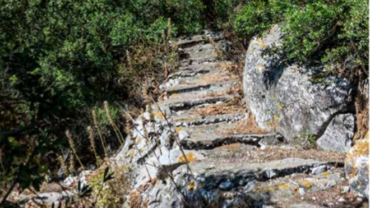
{"type": "Point", "coordinates": [357, 167]}
{"type": "Point", "coordinates": [286, 99]}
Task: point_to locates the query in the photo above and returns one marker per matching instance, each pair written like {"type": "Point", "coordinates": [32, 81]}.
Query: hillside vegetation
{"type": "Point", "coordinates": [69, 70]}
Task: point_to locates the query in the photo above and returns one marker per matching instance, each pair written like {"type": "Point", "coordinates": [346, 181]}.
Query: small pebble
{"type": "Point", "coordinates": [226, 185]}
{"type": "Point", "coordinates": [345, 189]}
{"type": "Point", "coordinates": [314, 198]}
{"type": "Point", "coordinates": [341, 199]}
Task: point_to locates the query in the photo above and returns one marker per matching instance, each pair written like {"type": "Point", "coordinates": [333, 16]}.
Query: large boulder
{"type": "Point", "coordinates": [285, 99]}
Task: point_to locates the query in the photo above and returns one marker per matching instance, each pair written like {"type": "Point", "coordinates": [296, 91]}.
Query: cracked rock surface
{"type": "Point", "coordinates": [287, 99]}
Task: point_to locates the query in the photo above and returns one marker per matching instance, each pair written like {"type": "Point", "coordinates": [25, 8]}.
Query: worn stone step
{"type": "Point", "coordinates": [196, 120]}
{"type": "Point", "coordinates": [184, 88]}
{"type": "Point", "coordinates": [197, 69]}
{"type": "Point", "coordinates": [210, 141]}
{"type": "Point", "coordinates": [213, 135]}
{"type": "Point", "coordinates": [296, 185]}
{"type": "Point", "coordinates": [213, 77]}
{"type": "Point", "coordinates": [189, 104]}
{"type": "Point", "coordinates": [197, 39]}
{"type": "Point", "coordinates": [239, 173]}
{"type": "Point", "coordinates": [203, 73]}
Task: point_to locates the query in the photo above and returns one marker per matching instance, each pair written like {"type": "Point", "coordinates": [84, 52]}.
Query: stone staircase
{"type": "Point", "coordinates": [203, 149]}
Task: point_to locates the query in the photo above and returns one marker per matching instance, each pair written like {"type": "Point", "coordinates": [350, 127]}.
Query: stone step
{"type": "Point", "coordinates": [184, 88]}
{"type": "Point", "coordinates": [237, 183]}
{"type": "Point", "coordinates": [295, 185]}
{"type": "Point", "coordinates": [215, 76]}
{"type": "Point", "coordinates": [190, 104]}
{"type": "Point", "coordinates": [199, 69]}
{"type": "Point", "coordinates": [197, 39]}
{"type": "Point", "coordinates": [209, 141]}
{"type": "Point", "coordinates": [202, 53]}
{"type": "Point", "coordinates": [238, 173]}
{"type": "Point", "coordinates": [196, 120]}
{"type": "Point", "coordinates": [239, 152]}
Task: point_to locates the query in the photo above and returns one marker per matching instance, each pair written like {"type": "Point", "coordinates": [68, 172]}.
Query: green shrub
{"type": "Point", "coordinates": [333, 33]}
{"type": "Point", "coordinates": [309, 29]}
{"type": "Point", "coordinates": [254, 18]}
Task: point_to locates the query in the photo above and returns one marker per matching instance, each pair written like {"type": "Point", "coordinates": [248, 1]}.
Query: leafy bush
{"type": "Point", "coordinates": [333, 33]}
{"type": "Point", "coordinates": [254, 19]}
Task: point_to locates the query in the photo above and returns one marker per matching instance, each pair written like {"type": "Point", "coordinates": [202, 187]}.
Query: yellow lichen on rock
{"type": "Point", "coordinates": [188, 157]}
{"type": "Point", "coordinates": [306, 184]}
{"type": "Point", "coordinates": [280, 106]}
{"type": "Point", "coordinates": [263, 44]}
{"type": "Point", "coordinates": [361, 148]}
{"type": "Point", "coordinates": [325, 174]}
{"type": "Point", "coordinates": [367, 136]}
{"type": "Point", "coordinates": [283, 186]}
{"type": "Point", "coordinates": [191, 186]}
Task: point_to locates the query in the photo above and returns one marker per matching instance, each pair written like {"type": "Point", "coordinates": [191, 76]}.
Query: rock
{"type": "Point", "coordinates": [357, 167]}
{"type": "Point", "coordinates": [345, 189]}
{"type": "Point", "coordinates": [338, 135]}
{"type": "Point", "coordinates": [227, 185]}
{"type": "Point", "coordinates": [284, 98]}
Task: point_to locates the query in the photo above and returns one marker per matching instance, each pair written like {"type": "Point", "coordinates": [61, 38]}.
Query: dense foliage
{"type": "Point", "coordinates": [62, 58]}
{"type": "Point", "coordinates": [334, 33]}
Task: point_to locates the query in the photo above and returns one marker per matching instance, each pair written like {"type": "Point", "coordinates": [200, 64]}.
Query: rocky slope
{"type": "Point", "coordinates": [199, 148]}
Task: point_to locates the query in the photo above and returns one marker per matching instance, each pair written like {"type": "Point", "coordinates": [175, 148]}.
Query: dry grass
{"type": "Point", "coordinates": [244, 126]}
